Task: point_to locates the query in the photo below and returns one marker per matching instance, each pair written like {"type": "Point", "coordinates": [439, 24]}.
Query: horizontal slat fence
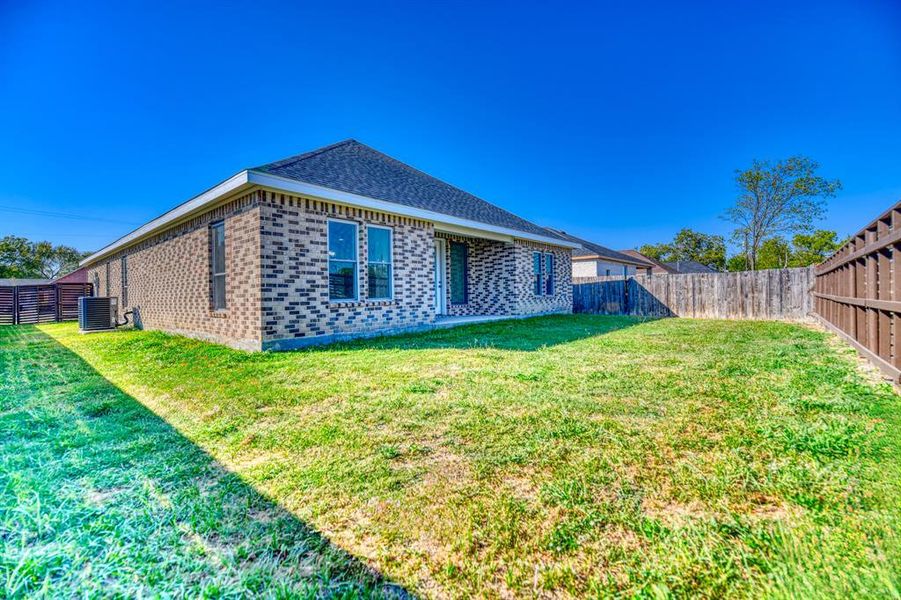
{"type": "Point", "coordinates": [41, 303]}
{"type": "Point", "coordinates": [858, 292]}
{"type": "Point", "coordinates": [769, 294]}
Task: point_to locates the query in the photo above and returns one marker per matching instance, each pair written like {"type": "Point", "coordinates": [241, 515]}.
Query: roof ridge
{"type": "Point", "coordinates": [388, 162]}
{"type": "Point", "coordinates": [447, 183]}
{"type": "Point", "coordinates": [305, 155]}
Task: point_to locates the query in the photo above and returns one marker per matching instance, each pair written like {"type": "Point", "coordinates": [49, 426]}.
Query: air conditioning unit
{"type": "Point", "coordinates": [97, 313]}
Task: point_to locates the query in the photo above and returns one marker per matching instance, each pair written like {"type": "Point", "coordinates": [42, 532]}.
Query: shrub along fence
{"type": "Point", "coordinates": [45, 303]}
{"type": "Point", "coordinates": [858, 292]}
{"type": "Point", "coordinates": [769, 294]}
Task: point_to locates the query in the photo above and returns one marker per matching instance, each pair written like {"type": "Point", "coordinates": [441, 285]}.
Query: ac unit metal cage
{"type": "Point", "coordinates": [97, 313]}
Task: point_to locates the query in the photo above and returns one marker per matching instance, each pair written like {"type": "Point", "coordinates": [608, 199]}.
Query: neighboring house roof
{"type": "Point", "coordinates": [688, 266]}
{"type": "Point", "coordinates": [590, 250]}
{"type": "Point", "coordinates": [14, 282]}
{"type": "Point", "coordinates": [656, 264]}
{"type": "Point", "coordinates": [354, 174]}
{"type": "Point", "coordinates": [76, 276]}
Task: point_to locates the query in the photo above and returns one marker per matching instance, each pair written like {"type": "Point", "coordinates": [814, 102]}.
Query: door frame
{"type": "Point", "coordinates": [440, 277]}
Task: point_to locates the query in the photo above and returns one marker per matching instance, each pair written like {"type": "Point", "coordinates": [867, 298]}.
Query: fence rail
{"type": "Point", "coordinates": [41, 303]}
{"type": "Point", "coordinates": [769, 294]}
{"type": "Point", "coordinates": [857, 292]}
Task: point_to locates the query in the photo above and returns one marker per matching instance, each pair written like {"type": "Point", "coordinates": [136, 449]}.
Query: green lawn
{"type": "Point", "coordinates": [557, 456]}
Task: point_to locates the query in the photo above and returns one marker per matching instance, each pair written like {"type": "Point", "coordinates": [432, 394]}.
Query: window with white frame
{"type": "Point", "coordinates": [537, 275]}
{"type": "Point", "coordinates": [379, 263]}
{"type": "Point", "coordinates": [124, 268]}
{"type": "Point", "coordinates": [543, 280]}
{"type": "Point", "coordinates": [342, 260]}
{"type": "Point", "coordinates": [217, 264]}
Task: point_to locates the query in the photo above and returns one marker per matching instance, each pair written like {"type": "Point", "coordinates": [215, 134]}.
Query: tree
{"type": "Point", "coordinates": [54, 261]}
{"type": "Point", "coordinates": [16, 257]}
{"type": "Point", "coordinates": [774, 199]}
{"type": "Point", "coordinates": [814, 248]}
{"type": "Point", "coordinates": [659, 252]}
{"type": "Point", "coordinates": [21, 258]}
{"type": "Point", "coordinates": [774, 253]}
{"type": "Point", "coordinates": [688, 244]}
{"type": "Point", "coordinates": [737, 262]}
{"type": "Point", "coordinates": [704, 248]}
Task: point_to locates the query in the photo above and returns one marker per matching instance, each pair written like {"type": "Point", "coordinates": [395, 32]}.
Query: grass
{"type": "Point", "coordinates": [567, 456]}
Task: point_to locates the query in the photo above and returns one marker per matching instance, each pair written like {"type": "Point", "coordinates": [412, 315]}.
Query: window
{"type": "Point", "coordinates": [123, 262]}
{"type": "Point", "coordinates": [342, 261]}
{"type": "Point", "coordinates": [549, 274]}
{"type": "Point", "coordinates": [217, 264]}
{"type": "Point", "coordinates": [459, 273]}
{"type": "Point", "coordinates": [381, 284]}
{"type": "Point", "coordinates": [543, 273]}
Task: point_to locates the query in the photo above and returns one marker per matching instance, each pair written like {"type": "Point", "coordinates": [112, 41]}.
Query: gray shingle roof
{"type": "Point", "coordinates": [350, 166]}
{"type": "Point", "coordinates": [688, 266]}
{"type": "Point", "coordinates": [592, 249]}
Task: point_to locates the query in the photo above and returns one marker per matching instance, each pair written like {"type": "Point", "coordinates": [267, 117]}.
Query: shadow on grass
{"type": "Point", "coordinates": [525, 335]}
{"type": "Point", "coordinates": [99, 496]}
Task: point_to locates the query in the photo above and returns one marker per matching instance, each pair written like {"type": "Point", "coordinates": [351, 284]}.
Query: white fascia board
{"type": "Point", "coordinates": [608, 259]}
{"type": "Point", "coordinates": [317, 191]}
{"type": "Point", "coordinates": [228, 187]}
{"type": "Point", "coordinates": [468, 232]}
{"type": "Point", "coordinates": [246, 179]}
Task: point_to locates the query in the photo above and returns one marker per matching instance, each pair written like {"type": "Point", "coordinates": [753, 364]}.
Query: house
{"type": "Point", "coordinates": [688, 266]}
{"type": "Point", "coordinates": [79, 275]}
{"type": "Point", "coordinates": [670, 268]}
{"type": "Point", "coordinates": [336, 243]}
{"type": "Point", "coordinates": [657, 267]}
{"type": "Point", "coordinates": [594, 260]}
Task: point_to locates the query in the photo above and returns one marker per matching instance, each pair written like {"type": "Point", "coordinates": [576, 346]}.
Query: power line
{"type": "Point", "coordinates": [48, 213]}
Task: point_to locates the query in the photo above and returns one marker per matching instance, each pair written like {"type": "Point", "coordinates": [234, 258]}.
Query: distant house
{"type": "Point", "coordinates": [688, 266]}
{"type": "Point", "coordinates": [670, 268]}
{"type": "Point", "coordinates": [340, 242]}
{"type": "Point", "coordinates": [594, 260]}
{"type": "Point", "coordinates": [77, 276]}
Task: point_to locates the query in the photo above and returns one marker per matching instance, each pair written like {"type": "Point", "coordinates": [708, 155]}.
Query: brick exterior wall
{"type": "Point", "coordinates": [295, 265]}
{"type": "Point", "coordinates": [169, 277]}
{"type": "Point", "coordinates": [527, 302]}
{"type": "Point", "coordinates": [490, 266]}
{"type": "Point", "coordinates": [276, 248]}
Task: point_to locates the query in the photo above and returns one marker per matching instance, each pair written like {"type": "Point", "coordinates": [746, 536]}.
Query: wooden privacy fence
{"type": "Point", "coordinates": [770, 294]}
{"type": "Point", "coordinates": [858, 292]}
{"type": "Point", "coordinates": [41, 303]}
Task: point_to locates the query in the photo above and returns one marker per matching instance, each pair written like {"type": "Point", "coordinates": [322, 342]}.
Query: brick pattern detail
{"type": "Point", "coordinates": [295, 266]}
{"type": "Point", "coordinates": [169, 277]}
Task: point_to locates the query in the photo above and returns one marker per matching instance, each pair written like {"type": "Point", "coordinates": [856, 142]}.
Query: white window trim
{"type": "Point", "coordinates": [356, 261]}
{"type": "Point", "coordinates": [390, 296]}
{"type": "Point", "coordinates": [214, 274]}
{"type": "Point", "coordinates": [540, 274]}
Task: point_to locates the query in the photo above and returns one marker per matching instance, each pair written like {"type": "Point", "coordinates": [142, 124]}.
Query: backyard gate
{"type": "Point", "coordinates": [46, 303]}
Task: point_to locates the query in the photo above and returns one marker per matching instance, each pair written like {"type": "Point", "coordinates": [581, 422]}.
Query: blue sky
{"type": "Point", "coordinates": [620, 122]}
